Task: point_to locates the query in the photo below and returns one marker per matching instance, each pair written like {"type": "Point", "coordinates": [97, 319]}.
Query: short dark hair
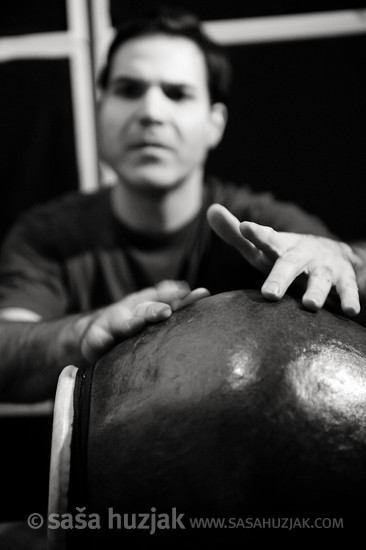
{"type": "Point", "coordinates": [176, 22]}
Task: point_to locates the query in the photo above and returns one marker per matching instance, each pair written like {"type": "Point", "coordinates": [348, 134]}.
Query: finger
{"type": "Point", "coordinates": [272, 243]}
{"type": "Point", "coordinates": [196, 294]}
{"type": "Point", "coordinates": [169, 291]}
{"type": "Point", "coordinates": [153, 312]}
{"type": "Point", "coordinates": [227, 227]}
{"type": "Point", "coordinates": [319, 284]}
{"type": "Point", "coordinates": [165, 291]}
{"type": "Point", "coordinates": [101, 337]}
{"type": "Point", "coordinates": [284, 272]}
{"type": "Point", "coordinates": [347, 289]}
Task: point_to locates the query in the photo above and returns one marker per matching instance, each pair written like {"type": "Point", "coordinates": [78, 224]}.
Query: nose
{"type": "Point", "coordinates": [153, 106]}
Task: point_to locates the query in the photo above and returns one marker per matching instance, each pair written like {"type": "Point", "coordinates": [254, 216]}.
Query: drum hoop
{"type": "Point", "coordinates": [63, 417]}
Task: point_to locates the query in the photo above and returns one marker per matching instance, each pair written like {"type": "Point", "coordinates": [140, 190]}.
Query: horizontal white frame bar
{"type": "Point", "coordinates": [230, 31]}
{"type": "Point", "coordinates": [287, 27]}
{"type": "Point", "coordinates": [45, 45]}
{"type": "Point", "coordinates": [12, 410]}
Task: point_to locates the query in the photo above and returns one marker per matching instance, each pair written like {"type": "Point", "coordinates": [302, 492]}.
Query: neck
{"type": "Point", "coordinates": [158, 211]}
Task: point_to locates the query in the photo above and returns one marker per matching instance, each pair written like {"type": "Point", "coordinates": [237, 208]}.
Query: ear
{"type": "Point", "coordinates": [98, 98]}
{"type": "Point", "coordinates": [218, 119]}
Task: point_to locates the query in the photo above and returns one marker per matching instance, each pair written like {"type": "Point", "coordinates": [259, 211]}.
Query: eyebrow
{"type": "Point", "coordinates": [122, 79]}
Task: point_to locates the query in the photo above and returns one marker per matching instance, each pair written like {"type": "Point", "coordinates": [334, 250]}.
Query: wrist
{"type": "Point", "coordinates": [70, 338]}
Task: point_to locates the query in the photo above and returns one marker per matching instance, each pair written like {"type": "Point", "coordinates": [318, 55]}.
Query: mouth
{"type": "Point", "coordinates": [149, 144]}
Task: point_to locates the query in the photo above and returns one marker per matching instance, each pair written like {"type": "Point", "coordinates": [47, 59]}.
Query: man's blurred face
{"type": "Point", "coordinates": [156, 122]}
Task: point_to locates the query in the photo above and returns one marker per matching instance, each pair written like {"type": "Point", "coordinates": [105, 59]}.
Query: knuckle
{"type": "Point", "coordinates": [292, 256]}
{"type": "Point", "coordinates": [164, 283]}
{"type": "Point", "coordinates": [323, 272]}
{"type": "Point", "coordinates": [152, 310]}
{"type": "Point", "coordinates": [170, 287]}
{"type": "Point", "coordinates": [348, 278]}
{"type": "Point", "coordinates": [351, 275]}
{"type": "Point", "coordinates": [272, 233]}
{"type": "Point", "coordinates": [351, 281]}
{"type": "Point", "coordinates": [141, 309]}
{"type": "Point", "coordinates": [348, 286]}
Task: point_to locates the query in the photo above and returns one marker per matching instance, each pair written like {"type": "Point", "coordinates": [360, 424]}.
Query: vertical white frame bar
{"type": "Point", "coordinates": [102, 33]}
{"type": "Point", "coordinates": [83, 95]}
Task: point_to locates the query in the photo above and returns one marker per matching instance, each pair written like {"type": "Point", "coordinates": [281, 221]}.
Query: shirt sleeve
{"type": "Point", "coordinates": [30, 273]}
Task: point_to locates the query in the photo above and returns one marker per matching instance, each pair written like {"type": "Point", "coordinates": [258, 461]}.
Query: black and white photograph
{"type": "Point", "coordinates": [182, 274]}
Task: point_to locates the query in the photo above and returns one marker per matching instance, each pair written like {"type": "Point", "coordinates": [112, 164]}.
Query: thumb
{"type": "Point", "coordinates": [227, 226]}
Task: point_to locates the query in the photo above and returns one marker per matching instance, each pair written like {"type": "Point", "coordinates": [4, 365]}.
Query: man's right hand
{"type": "Point", "coordinates": [100, 331]}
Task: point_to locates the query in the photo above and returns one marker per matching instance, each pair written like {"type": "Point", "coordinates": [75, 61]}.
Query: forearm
{"type": "Point", "coordinates": [33, 355]}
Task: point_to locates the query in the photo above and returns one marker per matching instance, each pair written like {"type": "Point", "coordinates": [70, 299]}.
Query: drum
{"type": "Point", "coordinates": [235, 407]}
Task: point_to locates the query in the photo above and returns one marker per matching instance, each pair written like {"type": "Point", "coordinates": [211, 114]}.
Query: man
{"type": "Point", "coordinates": [81, 274]}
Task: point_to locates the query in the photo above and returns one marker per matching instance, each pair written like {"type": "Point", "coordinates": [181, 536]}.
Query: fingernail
{"type": "Point", "coordinates": [312, 303]}
{"type": "Point", "coordinates": [352, 311]}
{"type": "Point", "coordinates": [271, 288]}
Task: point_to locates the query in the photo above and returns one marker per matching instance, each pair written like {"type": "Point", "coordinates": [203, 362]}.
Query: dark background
{"type": "Point", "coordinates": [297, 126]}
